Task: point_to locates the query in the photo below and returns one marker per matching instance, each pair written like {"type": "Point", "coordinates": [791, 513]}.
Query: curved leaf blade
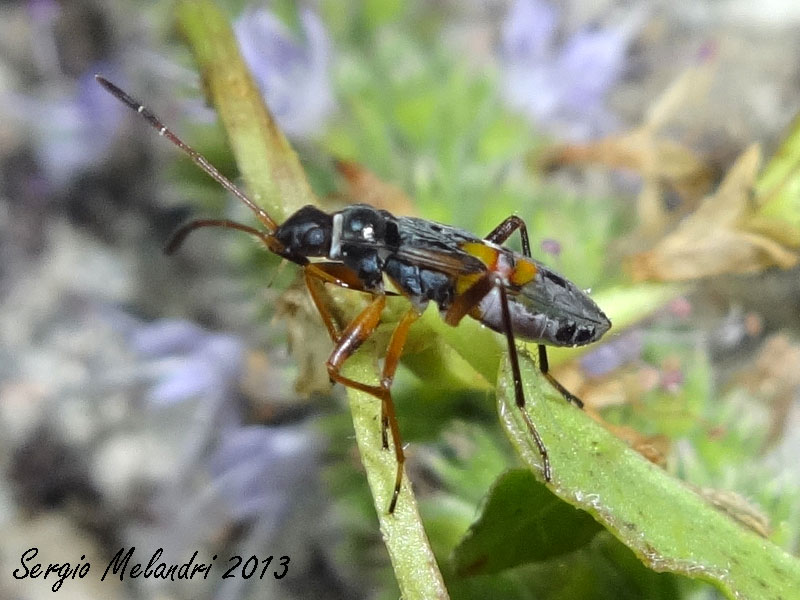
{"type": "Point", "coordinates": [668, 526]}
{"type": "Point", "coordinates": [521, 522]}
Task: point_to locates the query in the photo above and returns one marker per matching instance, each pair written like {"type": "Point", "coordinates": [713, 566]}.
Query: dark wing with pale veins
{"type": "Point", "coordinates": [552, 295]}
{"type": "Point", "coordinates": [435, 246]}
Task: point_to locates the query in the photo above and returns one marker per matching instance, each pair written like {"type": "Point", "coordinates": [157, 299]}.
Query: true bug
{"type": "Point", "coordinates": [361, 247]}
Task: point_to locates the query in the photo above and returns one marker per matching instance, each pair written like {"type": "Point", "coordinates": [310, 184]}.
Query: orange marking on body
{"type": "Point", "coordinates": [483, 252]}
{"type": "Point", "coordinates": [524, 272]}
{"type": "Point", "coordinates": [465, 282]}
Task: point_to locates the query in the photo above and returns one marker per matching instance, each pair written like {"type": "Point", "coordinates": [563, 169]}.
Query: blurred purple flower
{"type": "Point", "coordinates": [260, 471]}
{"type": "Point", "coordinates": [73, 129]}
{"type": "Point", "coordinates": [293, 74]}
{"type": "Point", "coordinates": [45, 11]}
{"type": "Point", "coordinates": [225, 473]}
{"type": "Point", "coordinates": [613, 354]}
{"type": "Point", "coordinates": [551, 246]}
{"type": "Point", "coordinates": [562, 88]}
{"type": "Point", "coordinates": [194, 361]}
{"type": "Point", "coordinates": [672, 378]}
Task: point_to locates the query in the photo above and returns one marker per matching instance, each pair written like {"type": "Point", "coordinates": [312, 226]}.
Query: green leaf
{"type": "Point", "coordinates": [668, 526]}
{"type": "Point", "coordinates": [521, 522]}
{"type": "Point", "coordinates": [777, 192]}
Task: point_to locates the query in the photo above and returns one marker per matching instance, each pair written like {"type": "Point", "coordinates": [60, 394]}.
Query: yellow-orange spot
{"type": "Point", "coordinates": [483, 252]}
{"type": "Point", "coordinates": [465, 282]}
{"type": "Point", "coordinates": [524, 272]}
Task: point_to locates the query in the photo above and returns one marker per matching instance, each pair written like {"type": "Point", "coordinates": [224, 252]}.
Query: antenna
{"type": "Point", "coordinates": [197, 158]}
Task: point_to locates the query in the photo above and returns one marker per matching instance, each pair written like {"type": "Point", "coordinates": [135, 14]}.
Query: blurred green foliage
{"type": "Point", "coordinates": [428, 121]}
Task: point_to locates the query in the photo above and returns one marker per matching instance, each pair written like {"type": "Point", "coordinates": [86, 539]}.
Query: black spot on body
{"type": "Point", "coordinates": [421, 284]}
{"type": "Point", "coordinates": [436, 286]}
{"type": "Point", "coordinates": [565, 332]}
{"type": "Point", "coordinates": [392, 235]}
{"type": "Point", "coordinates": [366, 264]}
{"type": "Point", "coordinates": [405, 276]}
{"type": "Point", "coordinates": [557, 279]}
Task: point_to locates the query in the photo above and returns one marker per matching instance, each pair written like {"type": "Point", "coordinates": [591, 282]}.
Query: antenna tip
{"type": "Point", "coordinates": [103, 81]}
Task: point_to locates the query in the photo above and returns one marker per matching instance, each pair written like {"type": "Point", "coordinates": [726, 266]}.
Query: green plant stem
{"type": "Point", "coordinates": [274, 175]}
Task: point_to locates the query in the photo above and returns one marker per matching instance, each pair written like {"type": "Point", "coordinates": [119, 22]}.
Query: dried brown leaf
{"type": "Point", "coordinates": [713, 240]}
{"type": "Point", "coordinates": [774, 376]}
{"type": "Point", "coordinates": [308, 340]}
{"type": "Point", "coordinates": [663, 164]}
{"type": "Point", "coordinates": [653, 447]}
{"type": "Point", "coordinates": [363, 186]}
{"type": "Point", "coordinates": [738, 507]}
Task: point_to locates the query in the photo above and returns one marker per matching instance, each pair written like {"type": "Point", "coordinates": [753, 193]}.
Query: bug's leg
{"type": "Point", "coordinates": [519, 393]}
{"type": "Point", "coordinates": [337, 274]}
{"type": "Point", "coordinates": [468, 300]}
{"type": "Point", "coordinates": [316, 275]}
{"type": "Point", "coordinates": [500, 234]}
{"type": "Point", "coordinates": [315, 284]}
{"type": "Point", "coordinates": [503, 231]}
{"type": "Point", "coordinates": [544, 368]}
{"type": "Point", "coordinates": [388, 415]}
{"type": "Point", "coordinates": [350, 340]}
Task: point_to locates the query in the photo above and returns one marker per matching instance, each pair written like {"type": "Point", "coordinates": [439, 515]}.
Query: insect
{"type": "Point", "coordinates": [361, 247]}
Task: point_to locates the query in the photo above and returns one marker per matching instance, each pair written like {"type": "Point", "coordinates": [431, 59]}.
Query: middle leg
{"type": "Point", "coordinates": [503, 231]}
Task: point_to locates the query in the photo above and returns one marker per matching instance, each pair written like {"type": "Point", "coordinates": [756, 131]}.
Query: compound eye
{"type": "Point", "coordinates": [314, 238]}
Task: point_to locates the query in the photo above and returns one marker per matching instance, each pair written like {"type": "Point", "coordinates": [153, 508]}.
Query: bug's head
{"type": "Point", "coordinates": [307, 233]}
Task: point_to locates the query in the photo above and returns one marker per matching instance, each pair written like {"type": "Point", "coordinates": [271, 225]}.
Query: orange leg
{"type": "Point", "coordinates": [315, 287]}
{"type": "Point", "coordinates": [346, 344]}
{"type": "Point", "coordinates": [355, 334]}
{"type": "Point", "coordinates": [465, 302]}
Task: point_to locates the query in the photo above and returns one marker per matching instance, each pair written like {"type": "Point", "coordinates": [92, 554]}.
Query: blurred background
{"type": "Point", "coordinates": [182, 402]}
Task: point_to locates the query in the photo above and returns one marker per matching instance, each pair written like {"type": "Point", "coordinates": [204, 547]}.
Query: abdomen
{"type": "Point", "coordinates": [549, 310]}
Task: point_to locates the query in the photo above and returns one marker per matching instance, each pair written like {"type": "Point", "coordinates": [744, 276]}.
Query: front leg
{"type": "Point", "coordinates": [351, 339]}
